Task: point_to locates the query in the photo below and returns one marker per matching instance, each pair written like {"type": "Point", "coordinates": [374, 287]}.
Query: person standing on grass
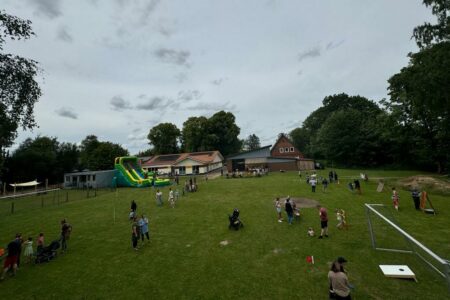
{"type": "Point", "coordinates": [171, 198]}
{"type": "Point", "coordinates": [335, 175]}
{"type": "Point", "coordinates": [159, 200]}
{"type": "Point", "coordinates": [134, 234]}
{"type": "Point", "coordinates": [395, 198]}
{"type": "Point", "coordinates": [324, 184]}
{"type": "Point", "coordinates": [40, 243]}
{"type": "Point", "coordinates": [143, 224]}
{"type": "Point", "coordinates": [289, 210]}
{"type": "Point", "coordinates": [313, 183]}
{"type": "Point", "coordinates": [357, 186]}
{"type": "Point", "coordinates": [338, 282]}
{"type": "Point", "coordinates": [66, 229]}
{"type": "Point", "coordinates": [19, 241]}
{"type": "Point", "coordinates": [11, 258]}
{"type": "Point", "coordinates": [323, 214]}
{"type": "Point", "coordinates": [278, 208]}
{"type": "Point", "coordinates": [416, 198]}
{"type": "Point", "coordinates": [28, 253]}
{"type": "Point", "coordinates": [133, 206]}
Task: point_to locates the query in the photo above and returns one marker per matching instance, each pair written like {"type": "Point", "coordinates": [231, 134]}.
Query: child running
{"type": "Point", "coordinates": [278, 208]}
{"type": "Point", "coordinates": [395, 198]}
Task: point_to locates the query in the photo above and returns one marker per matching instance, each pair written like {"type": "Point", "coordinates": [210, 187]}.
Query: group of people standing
{"type": "Point", "coordinates": [14, 248]}
{"type": "Point", "coordinates": [139, 227]}
{"type": "Point", "coordinates": [314, 179]}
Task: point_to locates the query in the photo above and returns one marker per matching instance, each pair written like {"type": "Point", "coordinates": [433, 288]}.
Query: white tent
{"type": "Point", "coordinates": [30, 183]}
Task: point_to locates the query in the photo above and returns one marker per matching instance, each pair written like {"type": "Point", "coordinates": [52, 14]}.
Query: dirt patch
{"type": "Point", "coordinates": [303, 202]}
{"type": "Point", "coordinates": [426, 183]}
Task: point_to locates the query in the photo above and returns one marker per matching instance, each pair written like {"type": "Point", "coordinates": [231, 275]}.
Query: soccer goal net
{"type": "Point", "coordinates": [386, 235]}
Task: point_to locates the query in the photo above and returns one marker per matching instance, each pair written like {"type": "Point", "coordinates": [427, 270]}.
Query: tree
{"type": "Point", "coordinates": [164, 137]}
{"type": "Point", "coordinates": [19, 90]}
{"type": "Point", "coordinates": [102, 158]}
{"type": "Point", "coordinates": [193, 134]}
{"type": "Point", "coordinates": [222, 133]}
{"type": "Point", "coordinates": [252, 142]}
{"type": "Point", "coordinates": [428, 34]}
{"type": "Point", "coordinates": [97, 155]}
{"type": "Point", "coordinates": [332, 104]}
{"type": "Point", "coordinates": [34, 159]}
{"type": "Point", "coordinates": [88, 146]}
{"type": "Point", "coordinates": [301, 139]}
{"type": "Point", "coordinates": [420, 98]}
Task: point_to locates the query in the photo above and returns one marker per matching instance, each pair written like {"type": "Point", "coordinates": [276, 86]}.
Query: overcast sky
{"type": "Point", "coordinates": [115, 68]}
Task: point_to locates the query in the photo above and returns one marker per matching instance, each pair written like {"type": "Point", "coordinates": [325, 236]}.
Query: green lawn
{"type": "Point", "coordinates": [185, 260]}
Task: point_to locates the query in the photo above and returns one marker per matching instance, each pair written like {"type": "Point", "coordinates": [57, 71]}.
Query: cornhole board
{"type": "Point", "coordinates": [398, 271]}
{"type": "Point", "coordinates": [380, 187]}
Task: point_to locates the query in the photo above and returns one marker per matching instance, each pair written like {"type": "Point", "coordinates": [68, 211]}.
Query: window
{"type": "Point", "coordinates": [292, 149]}
{"type": "Point", "coordinates": [195, 169]}
{"type": "Point", "coordinates": [286, 149]}
{"type": "Point", "coordinates": [67, 178]}
{"type": "Point", "coordinates": [93, 177]}
{"type": "Point", "coordinates": [281, 150]}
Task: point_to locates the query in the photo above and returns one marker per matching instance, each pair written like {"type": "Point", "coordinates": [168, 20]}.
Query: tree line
{"type": "Point", "coordinates": [410, 129]}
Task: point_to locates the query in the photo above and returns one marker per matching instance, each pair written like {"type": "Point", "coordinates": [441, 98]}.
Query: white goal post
{"type": "Point", "coordinates": [445, 264]}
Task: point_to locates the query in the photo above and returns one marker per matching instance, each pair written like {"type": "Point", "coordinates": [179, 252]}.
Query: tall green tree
{"type": "Point", "coordinates": [330, 105]}
{"type": "Point", "coordinates": [222, 133]}
{"type": "Point", "coordinates": [19, 90]}
{"type": "Point", "coordinates": [252, 142]}
{"type": "Point", "coordinates": [87, 147]}
{"type": "Point", "coordinates": [420, 97]}
{"type": "Point", "coordinates": [300, 137]}
{"type": "Point", "coordinates": [165, 138]}
{"type": "Point", "coordinates": [194, 133]}
{"type": "Point", "coordinates": [34, 159]}
{"type": "Point", "coordinates": [429, 34]}
{"type": "Point", "coordinates": [102, 158]}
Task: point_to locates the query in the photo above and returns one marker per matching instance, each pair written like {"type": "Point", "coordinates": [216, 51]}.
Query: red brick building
{"type": "Point", "coordinates": [285, 148]}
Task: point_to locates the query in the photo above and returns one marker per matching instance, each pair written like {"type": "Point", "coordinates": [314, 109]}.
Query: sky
{"type": "Point", "coordinates": [116, 68]}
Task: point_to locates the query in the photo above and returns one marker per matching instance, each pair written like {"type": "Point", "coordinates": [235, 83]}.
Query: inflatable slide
{"type": "Point", "coordinates": [130, 173]}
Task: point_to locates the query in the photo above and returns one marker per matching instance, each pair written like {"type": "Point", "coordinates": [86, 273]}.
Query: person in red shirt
{"type": "Point", "coordinates": [323, 214]}
{"type": "Point", "coordinates": [12, 257]}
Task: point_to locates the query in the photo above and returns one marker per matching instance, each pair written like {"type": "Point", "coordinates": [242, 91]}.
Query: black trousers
{"type": "Point", "coordinates": [416, 202]}
{"type": "Point", "coordinates": [146, 234]}
{"type": "Point", "coordinates": [134, 240]}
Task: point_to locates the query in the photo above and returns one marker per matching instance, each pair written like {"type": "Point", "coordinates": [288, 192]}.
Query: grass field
{"type": "Point", "coordinates": [265, 260]}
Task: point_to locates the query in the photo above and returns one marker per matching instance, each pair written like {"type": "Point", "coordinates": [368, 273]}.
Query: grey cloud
{"type": "Point", "coordinates": [189, 95]}
{"type": "Point", "coordinates": [177, 57]}
{"type": "Point", "coordinates": [207, 106]}
{"type": "Point", "coordinates": [218, 81]}
{"type": "Point", "coordinates": [181, 77]}
{"type": "Point", "coordinates": [66, 113]}
{"type": "Point", "coordinates": [137, 136]}
{"type": "Point", "coordinates": [331, 45]}
{"type": "Point", "coordinates": [314, 52]}
{"type": "Point", "coordinates": [165, 31]}
{"type": "Point", "coordinates": [147, 9]}
{"type": "Point", "coordinates": [156, 103]}
{"type": "Point", "coordinates": [48, 8]}
{"type": "Point", "coordinates": [63, 35]}
{"type": "Point", "coordinates": [119, 104]}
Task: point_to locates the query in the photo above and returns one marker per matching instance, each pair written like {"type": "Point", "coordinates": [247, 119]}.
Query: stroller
{"type": "Point", "coordinates": [48, 253]}
{"type": "Point", "coordinates": [235, 222]}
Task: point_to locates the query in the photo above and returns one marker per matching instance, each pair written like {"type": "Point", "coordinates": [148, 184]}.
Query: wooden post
{"type": "Point", "coordinates": [46, 183]}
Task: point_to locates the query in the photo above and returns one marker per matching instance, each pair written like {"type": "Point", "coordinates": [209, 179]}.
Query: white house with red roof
{"type": "Point", "coordinates": [184, 163]}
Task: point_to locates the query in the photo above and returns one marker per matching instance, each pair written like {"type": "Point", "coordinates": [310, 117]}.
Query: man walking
{"type": "Point", "coordinates": [323, 221]}
{"type": "Point", "coordinates": [289, 210]}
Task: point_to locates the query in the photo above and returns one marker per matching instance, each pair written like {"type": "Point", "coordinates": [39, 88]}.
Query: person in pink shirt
{"type": "Point", "coordinates": [323, 214]}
